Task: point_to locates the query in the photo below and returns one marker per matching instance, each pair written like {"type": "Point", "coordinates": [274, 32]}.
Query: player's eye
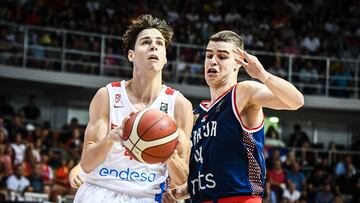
{"type": "Point", "coordinates": [146, 42]}
{"type": "Point", "coordinates": [221, 57]}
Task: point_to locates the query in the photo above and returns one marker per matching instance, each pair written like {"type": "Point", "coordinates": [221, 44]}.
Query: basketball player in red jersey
{"type": "Point", "coordinates": [226, 161]}
{"type": "Point", "coordinates": [110, 174]}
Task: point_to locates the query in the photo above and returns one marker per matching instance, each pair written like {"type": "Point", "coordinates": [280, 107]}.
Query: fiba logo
{"type": "Point", "coordinates": [117, 101]}
{"type": "Point", "coordinates": [117, 98]}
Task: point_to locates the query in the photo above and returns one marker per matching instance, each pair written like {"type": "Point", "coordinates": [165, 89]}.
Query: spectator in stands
{"type": "Point", "coordinates": [307, 157]}
{"type": "Point", "coordinates": [3, 137]}
{"type": "Point", "coordinates": [5, 161]}
{"type": "Point", "coordinates": [19, 148]}
{"type": "Point", "coordinates": [274, 156]}
{"type": "Point", "coordinates": [46, 170]}
{"type": "Point", "coordinates": [311, 43]}
{"type": "Point", "coordinates": [110, 63]}
{"type": "Point", "coordinates": [66, 131]}
{"type": "Point", "coordinates": [31, 110]}
{"type": "Point", "coordinates": [346, 184]}
{"type": "Point", "coordinates": [61, 181]}
{"type": "Point", "coordinates": [4, 132]}
{"type": "Point", "coordinates": [277, 179]}
{"type": "Point", "coordinates": [36, 180]}
{"type": "Point", "coordinates": [314, 183]}
{"type": "Point", "coordinates": [74, 144]}
{"type": "Point", "coordinates": [29, 161]}
{"type": "Point", "coordinates": [16, 126]}
{"type": "Point", "coordinates": [289, 160]}
{"type": "Point", "coordinates": [325, 195]}
{"type": "Point", "coordinates": [343, 165]}
{"type": "Point", "coordinates": [17, 183]}
{"type": "Point", "coordinates": [341, 80]}
{"type": "Point", "coordinates": [5, 108]}
{"type": "Point", "coordinates": [309, 78]}
{"type": "Point", "coordinates": [272, 138]}
{"type": "Point", "coordinates": [298, 137]}
{"type": "Point", "coordinates": [278, 70]}
{"type": "Point", "coordinates": [296, 177]}
{"type": "Point", "coordinates": [3, 177]}
{"type": "Point", "coordinates": [291, 193]}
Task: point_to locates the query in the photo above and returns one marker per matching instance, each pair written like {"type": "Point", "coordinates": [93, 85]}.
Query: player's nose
{"type": "Point", "coordinates": [153, 46]}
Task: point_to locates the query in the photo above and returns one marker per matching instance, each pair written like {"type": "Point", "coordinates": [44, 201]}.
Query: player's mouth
{"type": "Point", "coordinates": [153, 57]}
{"type": "Point", "coordinates": [212, 71]}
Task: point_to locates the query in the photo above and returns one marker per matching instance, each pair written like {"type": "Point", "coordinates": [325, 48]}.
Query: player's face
{"type": "Point", "coordinates": [220, 64]}
{"type": "Point", "coordinates": [150, 51]}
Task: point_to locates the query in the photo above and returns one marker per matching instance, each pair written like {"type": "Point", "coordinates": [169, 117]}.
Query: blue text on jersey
{"type": "Point", "coordinates": [128, 174]}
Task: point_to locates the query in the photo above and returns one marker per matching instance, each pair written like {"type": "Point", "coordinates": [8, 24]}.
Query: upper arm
{"type": "Point", "coordinates": [97, 126]}
{"type": "Point", "coordinates": [260, 96]}
{"type": "Point", "coordinates": [184, 121]}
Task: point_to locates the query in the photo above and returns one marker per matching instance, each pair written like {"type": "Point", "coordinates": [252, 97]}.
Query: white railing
{"type": "Point", "coordinates": [99, 54]}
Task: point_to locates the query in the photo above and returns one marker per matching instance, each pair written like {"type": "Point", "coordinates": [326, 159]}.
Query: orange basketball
{"type": "Point", "coordinates": [150, 136]}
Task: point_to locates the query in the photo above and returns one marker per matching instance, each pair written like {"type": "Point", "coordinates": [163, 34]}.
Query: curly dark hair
{"type": "Point", "coordinates": [228, 36]}
{"type": "Point", "coordinates": [141, 23]}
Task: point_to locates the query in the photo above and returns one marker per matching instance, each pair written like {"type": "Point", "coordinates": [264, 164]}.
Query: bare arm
{"type": "Point", "coordinates": [98, 142]}
{"type": "Point", "coordinates": [178, 163]}
{"type": "Point", "coordinates": [275, 92]}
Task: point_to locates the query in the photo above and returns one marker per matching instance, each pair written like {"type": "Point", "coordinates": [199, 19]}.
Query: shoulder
{"type": "Point", "coordinates": [101, 94]}
{"type": "Point", "coordinates": [248, 85]}
{"type": "Point", "coordinates": [183, 109]}
{"type": "Point", "coordinates": [100, 102]}
{"type": "Point", "coordinates": [182, 102]}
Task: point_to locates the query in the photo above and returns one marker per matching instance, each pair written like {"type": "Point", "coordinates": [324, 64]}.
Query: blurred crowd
{"type": "Point", "coordinates": [288, 26]}
{"type": "Point", "coordinates": [303, 172]}
{"type": "Point", "coordinates": [37, 158]}
{"type": "Point", "coordinates": [33, 157]}
{"type": "Point", "coordinates": [278, 27]}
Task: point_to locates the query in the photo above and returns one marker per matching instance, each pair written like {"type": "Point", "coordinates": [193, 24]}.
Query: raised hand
{"type": "Point", "coordinates": [252, 65]}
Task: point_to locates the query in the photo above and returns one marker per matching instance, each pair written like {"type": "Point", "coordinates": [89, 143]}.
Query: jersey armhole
{"type": "Point", "coordinates": [238, 117]}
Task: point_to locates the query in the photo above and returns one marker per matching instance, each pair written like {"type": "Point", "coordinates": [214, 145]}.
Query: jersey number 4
{"type": "Point", "coordinates": [198, 155]}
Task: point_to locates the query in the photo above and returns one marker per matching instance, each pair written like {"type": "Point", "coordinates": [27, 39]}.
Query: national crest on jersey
{"type": "Point", "coordinates": [119, 171]}
{"type": "Point", "coordinates": [226, 157]}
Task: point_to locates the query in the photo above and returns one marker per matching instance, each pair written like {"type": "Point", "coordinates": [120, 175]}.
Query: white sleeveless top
{"type": "Point", "coordinates": [119, 172]}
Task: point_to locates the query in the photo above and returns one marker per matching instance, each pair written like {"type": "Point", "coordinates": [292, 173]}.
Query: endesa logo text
{"type": "Point", "coordinates": [128, 174]}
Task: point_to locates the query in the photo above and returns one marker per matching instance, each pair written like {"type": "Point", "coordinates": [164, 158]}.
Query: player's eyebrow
{"type": "Point", "coordinates": [144, 38]}
{"type": "Point", "coordinates": [221, 51]}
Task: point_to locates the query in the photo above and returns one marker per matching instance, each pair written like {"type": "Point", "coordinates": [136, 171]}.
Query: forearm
{"type": "Point", "coordinates": [95, 153]}
{"type": "Point", "coordinates": [283, 90]}
{"type": "Point", "coordinates": [178, 171]}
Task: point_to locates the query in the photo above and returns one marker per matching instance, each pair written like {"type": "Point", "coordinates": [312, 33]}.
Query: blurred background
{"type": "Point", "coordinates": [54, 55]}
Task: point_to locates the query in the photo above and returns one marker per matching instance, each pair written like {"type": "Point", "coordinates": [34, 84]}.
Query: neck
{"type": "Point", "coordinates": [216, 92]}
{"type": "Point", "coordinates": [144, 89]}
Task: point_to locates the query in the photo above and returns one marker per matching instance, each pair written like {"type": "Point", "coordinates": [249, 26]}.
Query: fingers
{"type": "Point", "coordinates": [168, 197]}
{"type": "Point", "coordinates": [241, 55]}
{"type": "Point", "coordinates": [77, 182]}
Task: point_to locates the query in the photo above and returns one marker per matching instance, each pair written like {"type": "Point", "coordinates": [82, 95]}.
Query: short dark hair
{"type": "Point", "coordinates": [228, 36]}
{"type": "Point", "coordinates": [141, 23]}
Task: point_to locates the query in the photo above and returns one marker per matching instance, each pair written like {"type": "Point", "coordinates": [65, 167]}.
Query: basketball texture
{"type": "Point", "coordinates": [150, 136]}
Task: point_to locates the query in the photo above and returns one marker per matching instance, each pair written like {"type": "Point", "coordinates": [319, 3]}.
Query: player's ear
{"type": "Point", "coordinates": [238, 64]}
{"type": "Point", "coordinates": [131, 55]}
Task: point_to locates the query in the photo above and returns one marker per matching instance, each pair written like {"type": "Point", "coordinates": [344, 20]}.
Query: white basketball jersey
{"type": "Point", "coordinates": [119, 172]}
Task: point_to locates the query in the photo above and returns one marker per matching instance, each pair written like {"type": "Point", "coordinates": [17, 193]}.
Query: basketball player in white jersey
{"type": "Point", "coordinates": [110, 174]}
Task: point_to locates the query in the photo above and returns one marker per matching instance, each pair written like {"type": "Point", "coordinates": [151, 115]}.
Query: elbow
{"type": "Point", "coordinates": [299, 102]}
